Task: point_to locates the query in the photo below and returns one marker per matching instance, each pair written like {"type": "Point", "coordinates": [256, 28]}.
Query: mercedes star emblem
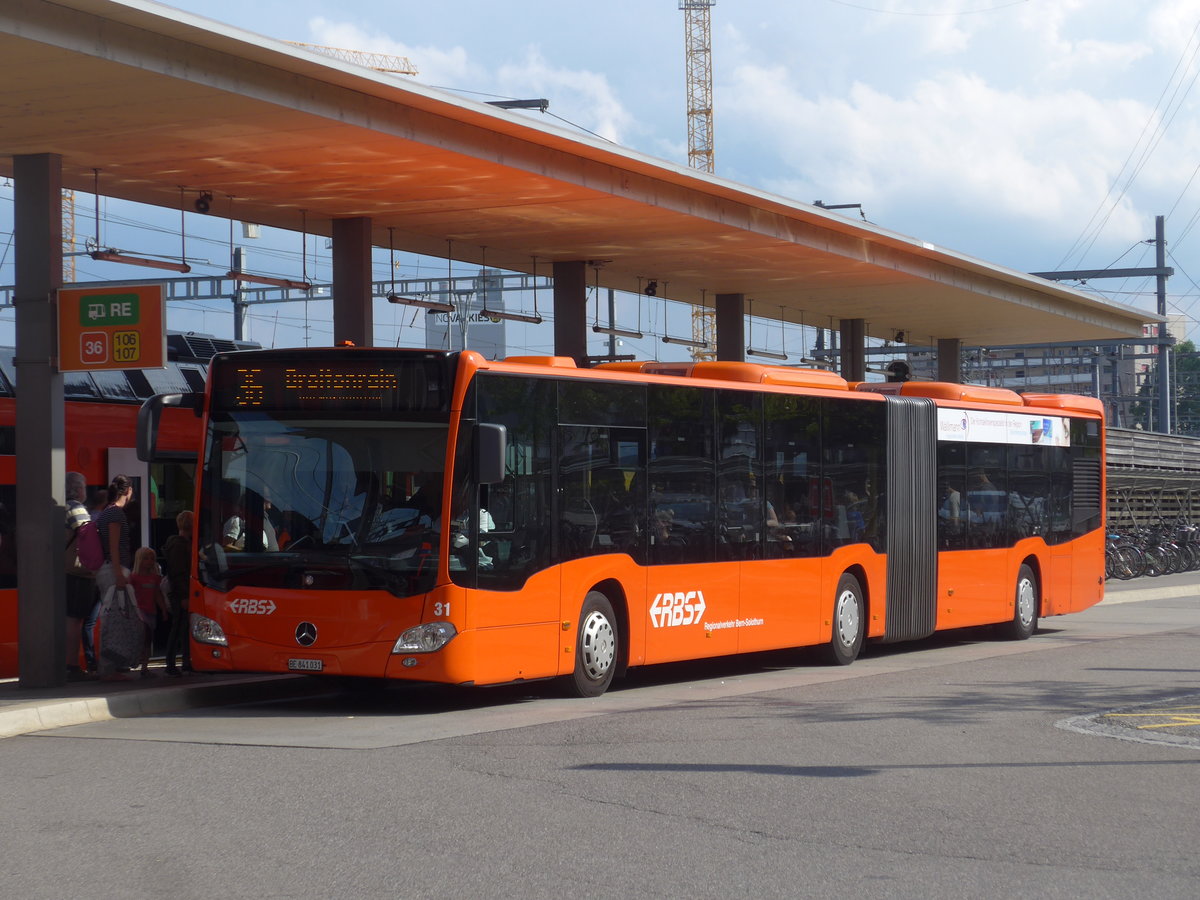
{"type": "Point", "coordinates": [306, 634]}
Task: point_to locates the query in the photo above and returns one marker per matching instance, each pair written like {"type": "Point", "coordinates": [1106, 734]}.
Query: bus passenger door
{"type": "Point", "coordinates": [600, 499]}
{"type": "Point", "coordinates": [1056, 593]}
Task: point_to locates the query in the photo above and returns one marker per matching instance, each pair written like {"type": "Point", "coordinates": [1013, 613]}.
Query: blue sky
{"type": "Point", "coordinates": [1037, 134]}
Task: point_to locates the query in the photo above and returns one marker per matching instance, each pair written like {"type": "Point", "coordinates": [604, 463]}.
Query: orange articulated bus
{"type": "Point", "coordinates": [434, 516]}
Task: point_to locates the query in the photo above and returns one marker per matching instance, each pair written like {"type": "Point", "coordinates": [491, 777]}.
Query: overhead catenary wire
{"type": "Point", "coordinates": [1092, 230]}
{"type": "Point", "coordinates": [544, 112]}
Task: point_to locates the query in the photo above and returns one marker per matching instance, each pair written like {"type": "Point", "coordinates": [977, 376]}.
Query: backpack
{"type": "Point", "coordinates": [88, 547]}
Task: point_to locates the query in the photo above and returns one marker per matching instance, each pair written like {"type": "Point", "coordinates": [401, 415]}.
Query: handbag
{"type": "Point", "coordinates": [71, 557]}
{"type": "Point", "coordinates": [122, 633]}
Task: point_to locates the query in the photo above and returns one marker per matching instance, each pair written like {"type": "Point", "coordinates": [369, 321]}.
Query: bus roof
{"type": "Point", "coordinates": [977, 394]}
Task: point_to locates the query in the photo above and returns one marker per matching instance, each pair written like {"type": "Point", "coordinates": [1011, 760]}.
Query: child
{"type": "Point", "coordinates": [147, 587]}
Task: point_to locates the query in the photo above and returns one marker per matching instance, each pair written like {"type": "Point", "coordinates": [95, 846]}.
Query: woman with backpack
{"type": "Point", "coordinates": [81, 585]}
{"type": "Point", "coordinates": [113, 525]}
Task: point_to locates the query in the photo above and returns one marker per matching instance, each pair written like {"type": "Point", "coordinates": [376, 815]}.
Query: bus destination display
{"type": "Point", "coordinates": [413, 385]}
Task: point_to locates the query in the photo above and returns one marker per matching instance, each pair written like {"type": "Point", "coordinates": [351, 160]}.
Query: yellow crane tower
{"type": "Point", "coordinates": [380, 62]}
{"type": "Point", "coordinates": [697, 28]}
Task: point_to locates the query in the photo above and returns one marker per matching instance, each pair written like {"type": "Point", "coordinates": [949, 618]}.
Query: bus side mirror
{"type": "Point", "coordinates": [491, 450]}
{"type": "Point", "coordinates": [150, 419]}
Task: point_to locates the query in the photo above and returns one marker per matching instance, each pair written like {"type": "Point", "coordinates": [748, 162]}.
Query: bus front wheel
{"type": "Point", "coordinates": [596, 648]}
{"type": "Point", "coordinates": [1026, 601]}
{"type": "Point", "coordinates": [849, 622]}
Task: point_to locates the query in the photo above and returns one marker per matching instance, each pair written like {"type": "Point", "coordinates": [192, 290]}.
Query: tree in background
{"type": "Point", "coordinates": [1185, 375]}
{"type": "Point", "coordinates": [1186, 369]}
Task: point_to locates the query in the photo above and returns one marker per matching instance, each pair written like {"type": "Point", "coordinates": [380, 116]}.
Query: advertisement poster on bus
{"type": "Point", "coordinates": [977, 426]}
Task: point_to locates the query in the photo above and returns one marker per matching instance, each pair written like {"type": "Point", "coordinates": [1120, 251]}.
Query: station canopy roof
{"type": "Point", "coordinates": [157, 100]}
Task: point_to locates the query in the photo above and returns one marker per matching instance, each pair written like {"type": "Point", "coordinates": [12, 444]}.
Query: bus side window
{"type": "Point", "coordinates": [682, 471]}
{"type": "Point", "coordinates": [519, 545]}
{"type": "Point", "coordinates": [987, 495]}
{"type": "Point", "coordinates": [952, 510]}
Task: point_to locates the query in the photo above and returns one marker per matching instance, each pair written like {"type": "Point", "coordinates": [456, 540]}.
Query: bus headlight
{"type": "Point", "coordinates": [206, 631]}
{"type": "Point", "coordinates": [425, 638]}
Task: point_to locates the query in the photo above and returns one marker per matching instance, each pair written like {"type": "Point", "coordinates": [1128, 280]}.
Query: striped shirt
{"type": "Point", "coordinates": [77, 514]}
{"type": "Point", "coordinates": [108, 516]}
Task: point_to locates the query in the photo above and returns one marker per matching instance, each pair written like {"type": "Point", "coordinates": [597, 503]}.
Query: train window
{"type": "Point", "coordinates": [171, 380]}
{"type": "Point", "coordinates": [79, 386]}
{"type": "Point", "coordinates": [113, 386]}
{"type": "Point", "coordinates": [193, 378]}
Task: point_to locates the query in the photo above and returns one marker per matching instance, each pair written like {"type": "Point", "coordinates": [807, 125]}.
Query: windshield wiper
{"type": "Point", "coordinates": [399, 582]}
{"type": "Point", "coordinates": [390, 567]}
{"type": "Point", "coordinates": [276, 561]}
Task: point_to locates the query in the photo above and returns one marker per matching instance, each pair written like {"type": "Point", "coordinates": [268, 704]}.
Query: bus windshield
{"type": "Point", "coordinates": [321, 501]}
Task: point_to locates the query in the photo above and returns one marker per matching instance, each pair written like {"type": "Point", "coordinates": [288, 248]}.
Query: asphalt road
{"type": "Point", "coordinates": [957, 767]}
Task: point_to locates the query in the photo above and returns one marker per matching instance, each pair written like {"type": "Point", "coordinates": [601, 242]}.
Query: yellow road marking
{"type": "Point", "coordinates": [1178, 716]}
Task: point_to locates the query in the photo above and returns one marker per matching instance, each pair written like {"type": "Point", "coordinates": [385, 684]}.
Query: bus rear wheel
{"type": "Point", "coordinates": [1026, 603]}
{"type": "Point", "coordinates": [596, 648]}
{"type": "Point", "coordinates": [849, 623]}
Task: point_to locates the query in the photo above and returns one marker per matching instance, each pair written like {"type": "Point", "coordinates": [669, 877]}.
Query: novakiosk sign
{"type": "Point", "coordinates": [111, 327]}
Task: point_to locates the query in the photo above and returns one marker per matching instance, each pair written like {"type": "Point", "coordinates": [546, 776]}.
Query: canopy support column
{"type": "Point", "coordinates": [41, 446]}
{"type": "Point", "coordinates": [353, 310]}
{"type": "Point", "coordinates": [731, 327]}
{"type": "Point", "coordinates": [949, 360]}
{"type": "Point", "coordinates": [854, 357]}
{"type": "Point", "coordinates": [570, 310]}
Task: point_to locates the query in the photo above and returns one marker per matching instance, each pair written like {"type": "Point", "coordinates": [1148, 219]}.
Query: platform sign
{"type": "Point", "coordinates": [112, 327]}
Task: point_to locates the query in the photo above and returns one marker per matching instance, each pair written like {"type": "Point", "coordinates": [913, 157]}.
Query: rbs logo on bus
{"type": "Point", "coordinates": [671, 609]}
{"type": "Point", "coordinates": [248, 607]}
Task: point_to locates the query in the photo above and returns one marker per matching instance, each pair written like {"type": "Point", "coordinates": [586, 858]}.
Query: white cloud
{"type": "Point", "coordinates": [932, 25]}
{"type": "Point", "coordinates": [577, 95]}
{"type": "Point", "coordinates": [1047, 38]}
{"type": "Point", "coordinates": [1173, 24]}
{"type": "Point", "coordinates": [1059, 30]}
{"type": "Point", "coordinates": [946, 34]}
{"type": "Point", "coordinates": [1049, 17]}
{"type": "Point", "coordinates": [936, 28]}
{"type": "Point", "coordinates": [953, 142]}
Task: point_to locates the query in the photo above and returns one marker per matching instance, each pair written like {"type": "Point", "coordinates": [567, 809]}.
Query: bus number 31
{"type": "Point", "coordinates": [441, 609]}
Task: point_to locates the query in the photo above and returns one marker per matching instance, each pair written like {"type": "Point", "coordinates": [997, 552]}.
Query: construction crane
{"type": "Point", "coordinates": [698, 40]}
{"type": "Point", "coordinates": [68, 237]}
{"type": "Point", "coordinates": [380, 62]}
{"type": "Point", "coordinates": [698, 47]}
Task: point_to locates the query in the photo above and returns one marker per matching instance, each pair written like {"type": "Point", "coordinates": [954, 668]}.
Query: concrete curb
{"type": "Point", "coordinates": [1134, 595]}
{"type": "Point", "coordinates": [127, 701]}
{"type": "Point", "coordinates": [44, 714]}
